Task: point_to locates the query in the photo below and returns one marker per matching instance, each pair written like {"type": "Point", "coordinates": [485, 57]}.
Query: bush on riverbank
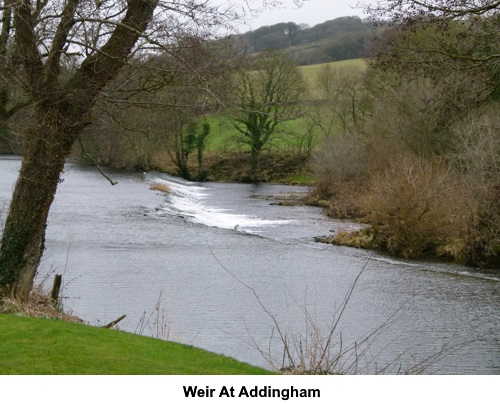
{"type": "Point", "coordinates": [434, 192]}
{"type": "Point", "coordinates": [411, 207]}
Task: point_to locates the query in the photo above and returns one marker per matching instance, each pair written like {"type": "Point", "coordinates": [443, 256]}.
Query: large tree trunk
{"type": "Point", "coordinates": [24, 234]}
{"type": "Point", "coordinates": [60, 113]}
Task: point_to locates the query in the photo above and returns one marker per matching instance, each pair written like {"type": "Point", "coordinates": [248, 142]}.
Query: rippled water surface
{"type": "Point", "coordinates": [201, 249]}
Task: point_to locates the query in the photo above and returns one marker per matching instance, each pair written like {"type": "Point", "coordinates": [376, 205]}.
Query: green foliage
{"type": "Point", "coordinates": [196, 140]}
{"type": "Point", "coordinates": [44, 346]}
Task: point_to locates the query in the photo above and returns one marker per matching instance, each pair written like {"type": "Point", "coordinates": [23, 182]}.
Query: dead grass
{"type": "Point", "coordinates": [163, 187]}
{"type": "Point", "coordinates": [362, 239]}
{"type": "Point", "coordinates": [39, 305]}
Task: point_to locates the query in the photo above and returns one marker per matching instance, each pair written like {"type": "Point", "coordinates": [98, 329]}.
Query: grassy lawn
{"type": "Point", "coordinates": [45, 346]}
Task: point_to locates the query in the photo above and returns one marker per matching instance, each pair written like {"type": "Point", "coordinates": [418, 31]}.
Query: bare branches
{"type": "Point", "coordinates": [266, 94]}
{"type": "Point", "coordinates": [414, 9]}
{"type": "Point", "coordinates": [457, 9]}
{"type": "Point", "coordinates": [450, 42]}
{"type": "Point", "coordinates": [96, 71]}
{"type": "Point", "coordinates": [64, 88]}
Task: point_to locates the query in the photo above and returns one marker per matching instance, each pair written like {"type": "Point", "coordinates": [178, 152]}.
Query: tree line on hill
{"type": "Point", "coordinates": [339, 39]}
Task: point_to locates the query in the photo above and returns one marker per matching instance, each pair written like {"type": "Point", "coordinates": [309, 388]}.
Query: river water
{"type": "Point", "coordinates": [222, 261]}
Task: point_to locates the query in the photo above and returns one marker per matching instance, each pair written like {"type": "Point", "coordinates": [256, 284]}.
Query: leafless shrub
{"type": "Point", "coordinates": [155, 324]}
{"type": "Point", "coordinates": [411, 206]}
{"type": "Point", "coordinates": [341, 158]}
{"type": "Point", "coordinates": [475, 157]}
{"type": "Point", "coordinates": [317, 351]}
{"type": "Point", "coordinates": [406, 114]}
{"type": "Point", "coordinates": [476, 145]}
{"type": "Point", "coordinates": [341, 168]}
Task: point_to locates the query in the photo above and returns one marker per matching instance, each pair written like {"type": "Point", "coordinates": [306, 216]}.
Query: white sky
{"type": "Point", "coordinates": [312, 12]}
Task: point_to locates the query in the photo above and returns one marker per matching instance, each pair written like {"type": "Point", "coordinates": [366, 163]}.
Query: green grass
{"type": "Point", "coordinates": [45, 346]}
{"type": "Point", "coordinates": [223, 135]}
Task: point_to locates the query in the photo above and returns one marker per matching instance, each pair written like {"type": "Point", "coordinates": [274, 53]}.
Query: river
{"type": "Point", "coordinates": [222, 261]}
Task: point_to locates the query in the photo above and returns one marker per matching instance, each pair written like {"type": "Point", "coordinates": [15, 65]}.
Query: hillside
{"type": "Point", "coordinates": [339, 39]}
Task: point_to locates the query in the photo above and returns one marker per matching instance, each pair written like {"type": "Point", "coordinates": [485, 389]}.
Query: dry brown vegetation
{"type": "Point", "coordinates": [425, 188]}
{"type": "Point", "coordinates": [412, 206]}
{"type": "Point", "coordinates": [163, 187]}
{"type": "Point", "coordinates": [38, 305]}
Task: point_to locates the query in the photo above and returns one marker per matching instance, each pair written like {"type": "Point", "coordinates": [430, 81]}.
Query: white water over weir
{"type": "Point", "coordinates": [188, 201]}
{"type": "Point", "coordinates": [123, 249]}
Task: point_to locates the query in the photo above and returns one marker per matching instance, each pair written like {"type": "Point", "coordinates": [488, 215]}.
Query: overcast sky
{"type": "Point", "coordinates": [312, 12]}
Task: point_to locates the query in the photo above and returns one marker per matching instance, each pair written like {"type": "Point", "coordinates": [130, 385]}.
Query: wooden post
{"type": "Point", "coordinates": [111, 324]}
{"type": "Point", "coordinates": [56, 287]}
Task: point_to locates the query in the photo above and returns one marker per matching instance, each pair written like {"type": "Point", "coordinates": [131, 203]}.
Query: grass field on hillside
{"type": "Point", "coordinates": [46, 346]}
{"type": "Point", "coordinates": [290, 136]}
{"type": "Point", "coordinates": [311, 71]}
{"type": "Point", "coordinates": [224, 137]}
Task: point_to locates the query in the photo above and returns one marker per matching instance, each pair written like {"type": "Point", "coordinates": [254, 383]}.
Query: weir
{"type": "Point", "coordinates": [187, 200]}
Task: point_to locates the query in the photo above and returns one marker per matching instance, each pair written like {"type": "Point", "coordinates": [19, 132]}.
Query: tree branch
{"type": "Point", "coordinates": [87, 155]}
{"type": "Point", "coordinates": [27, 44]}
{"type": "Point", "coordinates": [97, 70]}
{"type": "Point", "coordinates": [52, 67]}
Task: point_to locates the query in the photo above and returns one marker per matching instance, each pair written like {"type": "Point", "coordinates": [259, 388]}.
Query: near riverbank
{"type": "Point", "coordinates": [50, 346]}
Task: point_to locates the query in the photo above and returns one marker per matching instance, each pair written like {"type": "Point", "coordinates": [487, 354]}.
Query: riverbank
{"type": "Point", "coordinates": [274, 167]}
{"type": "Point", "coordinates": [433, 236]}
{"type": "Point", "coordinates": [410, 222]}
{"type": "Point", "coordinates": [49, 346]}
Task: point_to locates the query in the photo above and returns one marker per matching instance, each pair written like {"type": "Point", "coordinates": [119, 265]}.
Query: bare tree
{"type": "Point", "coordinates": [96, 39]}
{"type": "Point", "coordinates": [268, 93]}
{"type": "Point", "coordinates": [448, 41]}
{"type": "Point", "coordinates": [341, 91]}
